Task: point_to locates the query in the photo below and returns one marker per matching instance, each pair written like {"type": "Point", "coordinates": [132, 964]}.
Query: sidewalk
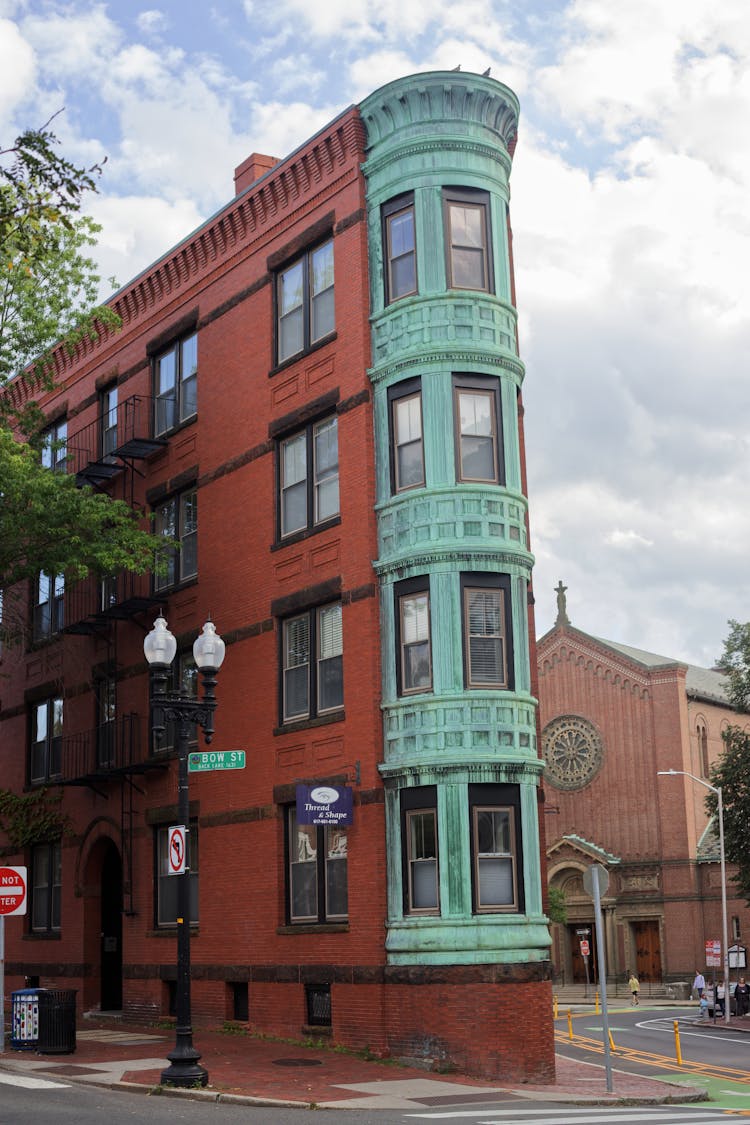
{"type": "Point", "coordinates": [265, 1072]}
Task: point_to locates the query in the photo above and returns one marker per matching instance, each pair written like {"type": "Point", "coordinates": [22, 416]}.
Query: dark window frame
{"type": "Point", "coordinates": [310, 339]}
{"type": "Point", "coordinates": [398, 394]}
{"type": "Point", "coordinates": [408, 589]}
{"type": "Point", "coordinates": [390, 211]}
{"type": "Point", "coordinates": [46, 752]}
{"type": "Point", "coordinates": [326, 866]}
{"type": "Point", "coordinates": [48, 613]}
{"type": "Point", "coordinates": [55, 446]}
{"type": "Point", "coordinates": [108, 418]}
{"type": "Point", "coordinates": [419, 801]}
{"type": "Point", "coordinates": [311, 480]}
{"type": "Point", "coordinates": [177, 574]}
{"type": "Point", "coordinates": [181, 392]}
{"type": "Point", "coordinates": [162, 908]}
{"type": "Point", "coordinates": [501, 584]}
{"type": "Point", "coordinates": [487, 386]}
{"type": "Point", "coordinates": [45, 898]}
{"type": "Point", "coordinates": [505, 798]}
{"type": "Point", "coordinates": [314, 711]}
{"type": "Point", "coordinates": [480, 200]}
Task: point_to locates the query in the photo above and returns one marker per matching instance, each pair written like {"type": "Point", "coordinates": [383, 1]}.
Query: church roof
{"type": "Point", "coordinates": [700, 683]}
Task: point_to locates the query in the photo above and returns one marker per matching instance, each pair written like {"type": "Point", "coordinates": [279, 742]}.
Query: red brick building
{"type": "Point", "coordinates": [317, 393]}
{"type": "Point", "coordinates": [612, 717]}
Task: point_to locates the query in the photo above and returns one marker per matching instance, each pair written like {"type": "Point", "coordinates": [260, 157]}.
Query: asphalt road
{"type": "Point", "coordinates": [716, 1057]}
{"type": "Point", "coordinates": [60, 1104]}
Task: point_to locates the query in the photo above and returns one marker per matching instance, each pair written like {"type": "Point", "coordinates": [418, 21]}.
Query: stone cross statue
{"type": "Point", "coordinates": [562, 608]}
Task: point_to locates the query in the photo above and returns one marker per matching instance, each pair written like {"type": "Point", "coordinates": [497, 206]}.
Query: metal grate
{"type": "Point", "coordinates": [318, 997]}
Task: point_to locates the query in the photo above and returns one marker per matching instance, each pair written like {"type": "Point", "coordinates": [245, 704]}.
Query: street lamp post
{"type": "Point", "coordinates": [725, 929]}
{"type": "Point", "coordinates": [160, 648]}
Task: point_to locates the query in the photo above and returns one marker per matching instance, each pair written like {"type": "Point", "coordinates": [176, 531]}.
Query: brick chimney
{"type": "Point", "coordinates": [251, 170]}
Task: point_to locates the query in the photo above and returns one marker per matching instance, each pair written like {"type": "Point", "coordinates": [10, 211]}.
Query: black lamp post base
{"type": "Point", "coordinates": [184, 1069]}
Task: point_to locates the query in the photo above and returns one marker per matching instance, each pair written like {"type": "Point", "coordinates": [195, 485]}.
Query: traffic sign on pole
{"type": "Point", "coordinates": [176, 850]}
{"type": "Point", "coordinates": [13, 887]}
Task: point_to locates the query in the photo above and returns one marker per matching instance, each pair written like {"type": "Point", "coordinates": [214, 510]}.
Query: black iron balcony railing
{"type": "Point", "coordinates": [112, 749]}
{"type": "Point", "coordinates": [100, 451]}
{"type": "Point", "coordinates": [94, 603]}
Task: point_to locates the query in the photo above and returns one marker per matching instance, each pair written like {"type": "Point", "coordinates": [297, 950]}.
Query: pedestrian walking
{"type": "Point", "coordinates": [742, 997]}
{"type": "Point", "coordinates": [699, 984]}
{"type": "Point", "coordinates": [635, 988]}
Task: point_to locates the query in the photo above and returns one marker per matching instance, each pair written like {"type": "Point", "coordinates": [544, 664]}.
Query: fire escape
{"type": "Point", "coordinates": [109, 454]}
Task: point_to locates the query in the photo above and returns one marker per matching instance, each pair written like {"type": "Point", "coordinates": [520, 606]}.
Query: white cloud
{"type": "Point", "coordinates": [152, 22]}
{"type": "Point", "coordinates": [17, 68]}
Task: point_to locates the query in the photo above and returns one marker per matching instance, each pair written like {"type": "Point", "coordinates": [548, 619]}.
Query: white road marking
{"type": "Point", "coordinates": [32, 1083]}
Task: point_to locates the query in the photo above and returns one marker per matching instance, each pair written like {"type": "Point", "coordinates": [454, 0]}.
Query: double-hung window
{"type": "Point", "coordinates": [479, 447]}
{"type": "Point", "coordinates": [167, 885]}
{"type": "Point", "coordinates": [176, 383]}
{"type": "Point", "coordinates": [106, 726]}
{"type": "Point", "coordinates": [49, 606]}
{"type": "Point", "coordinates": [400, 248]}
{"type": "Point", "coordinates": [108, 415]}
{"type": "Point", "coordinates": [46, 740]}
{"type": "Point", "coordinates": [494, 811]}
{"type": "Point", "coordinates": [305, 301]}
{"type": "Point", "coordinates": [317, 884]}
{"type": "Point", "coordinates": [419, 828]}
{"type": "Point", "coordinates": [407, 444]}
{"type": "Point", "coordinates": [55, 448]}
{"type": "Point", "coordinates": [46, 884]}
{"type": "Point", "coordinates": [309, 477]}
{"type": "Point", "coordinates": [467, 238]}
{"type": "Point", "coordinates": [312, 661]}
{"type": "Point", "coordinates": [414, 636]}
{"type": "Point", "coordinates": [486, 618]}
{"type": "Point", "coordinates": [177, 518]}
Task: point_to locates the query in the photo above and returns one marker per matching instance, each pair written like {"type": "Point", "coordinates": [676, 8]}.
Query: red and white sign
{"type": "Point", "coordinates": [13, 885]}
{"type": "Point", "coordinates": [585, 949]}
{"type": "Point", "coordinates": [713, 954]}
{"type": "Point", "coordinates": [176, 850]}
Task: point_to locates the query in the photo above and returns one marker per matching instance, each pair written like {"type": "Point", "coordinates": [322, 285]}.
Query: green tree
{"type": "Point", "coordinates": [735, 663]}
{"type": "Point", "coordinates": [48, 284]}
{"type": "Point", "coordinates": [731, 773]}
{"type": "Point", "coordinates": [557, 910]}
{"type": "Point", "coordinates": [48, 290]}
{"type": "Point", "coordinates": [48, 523]}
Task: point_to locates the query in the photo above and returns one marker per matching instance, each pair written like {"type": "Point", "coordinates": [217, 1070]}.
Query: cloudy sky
{"type": "Point", "coordinates": [631, 218]}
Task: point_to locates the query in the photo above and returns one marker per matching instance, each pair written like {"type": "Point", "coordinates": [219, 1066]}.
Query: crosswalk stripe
{"type": "Point", "coordinates": [596, 1115]}
{"type": "Point", "coordinates": [32, 1083]}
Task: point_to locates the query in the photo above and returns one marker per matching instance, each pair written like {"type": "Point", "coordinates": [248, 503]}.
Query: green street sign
{"type": "Point", "coordinates": [205, 760]}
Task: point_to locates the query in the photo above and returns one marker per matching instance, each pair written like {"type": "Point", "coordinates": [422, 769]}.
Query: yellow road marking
{"type": "Point", "coordinates": [663, 1062]}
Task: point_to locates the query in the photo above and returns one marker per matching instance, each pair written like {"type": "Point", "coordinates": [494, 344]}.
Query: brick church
{"type": "Point", "coordinates": [612, 717]}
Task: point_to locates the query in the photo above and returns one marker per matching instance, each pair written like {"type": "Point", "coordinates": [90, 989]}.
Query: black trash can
{"type": "Point", "coordinates": [57, 1021]}
{"type": "Point", "coordinates": [24, 1019]}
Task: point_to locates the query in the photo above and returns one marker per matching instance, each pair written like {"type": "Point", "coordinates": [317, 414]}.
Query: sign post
{"type": "Point", "coordinates": [596, 881]}
{"type": "Point", "coordinates": [13, 898]}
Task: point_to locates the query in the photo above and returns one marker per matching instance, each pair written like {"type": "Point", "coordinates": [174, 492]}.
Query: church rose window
{"type": "Point", "coordinates": [573, 752]}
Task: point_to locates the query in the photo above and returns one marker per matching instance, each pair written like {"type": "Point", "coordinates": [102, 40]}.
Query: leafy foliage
{"type": "Point", "coordinates": [32, 818]}
{"type": "Point", "coordinates": [557, 909]}
{"type": "Point", "coordinates": [732, 775]}
{"type": "Point", "coordinates": [735, 662]}
{"type": "Point", "coordinates": [48, 290]}
{"type": "Point", "coordinates": [48, 286]}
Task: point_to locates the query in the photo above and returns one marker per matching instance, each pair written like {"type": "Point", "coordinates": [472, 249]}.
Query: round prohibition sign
{"type": "Point", "coordinates": [176, 849]}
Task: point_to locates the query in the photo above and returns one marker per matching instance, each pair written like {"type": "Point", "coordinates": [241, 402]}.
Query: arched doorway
{"type": "Point", "coordinates": [111, 929]}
